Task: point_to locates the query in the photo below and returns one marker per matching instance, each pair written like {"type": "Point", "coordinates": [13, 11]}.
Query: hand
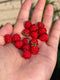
{"type": "Point", "coordinates": [39, 67]}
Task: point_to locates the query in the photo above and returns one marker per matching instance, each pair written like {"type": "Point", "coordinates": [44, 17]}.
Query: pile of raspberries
{"type": "Point", "coordinates": [29, 44]}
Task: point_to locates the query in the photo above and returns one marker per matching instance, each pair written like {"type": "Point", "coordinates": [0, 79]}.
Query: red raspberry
{"type": "Point", "coordinates": [34, 42]}
{"type": "Point", "coordinates": [26, 32]}
{"type": "Point", "coordinates": [33, 27]}
{"type": "Point", "coordinates": [34, 35]}
{"type": "Point", "coordinates": [26, 40]}
{"type": "Point", "coordinates": [26, 47]}
{"type": "Point", "coordinates": [27, 24]}
{"type": "Point", "coordinates": [8, 38]}
{"type": "Point", "coordinates": [27, 54]}
{"type": "Point", "coordinates": [40, 25]}
{"type": "Point", "coordinates": [42, 30]}
{"type": "Point", "coordinates": [34, 49]}
{"type": "Point", "coordinates": [19, 44]}
{"type": "Point", "coordinates": [16, 37]}
{"type": "Point", "coordinates": [43, 37]}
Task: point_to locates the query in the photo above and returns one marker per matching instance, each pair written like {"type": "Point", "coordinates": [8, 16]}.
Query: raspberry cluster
{"type": "Point", "coordinates": [28, 45]}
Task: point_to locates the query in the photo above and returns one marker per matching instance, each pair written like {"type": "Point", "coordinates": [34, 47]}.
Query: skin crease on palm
{"type": "Point", "coordinates": [39, 67]}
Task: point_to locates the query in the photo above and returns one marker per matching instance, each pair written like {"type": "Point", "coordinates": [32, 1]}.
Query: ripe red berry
{"type": "Point", "coordinates": [43, 37]}
{"type": "Point", "coordinates": [27, 54]}
{"type": "Point", "coordinates": [16, 37]}
{"type": "Point", "coordinates": [26, 47]}
{"type": "Point", "coordinates": [40, 25]}
{"type": "Point", "coordinates": [42, 30]}
{"type": "Point", "coordinates": [34, 35]}
{"type": "Point", "coordinates": [26, 40]}
{"type": "Point", "coordinates": [26, 32]}
{"type": "Point", "coordinates": [27, 24]}
{"type": "Point", "coordinates": [34, 49]}
{"type": "Point", "coordinates": [33, 27]}
{"type": "Point", "coordinates": [34, 42]}
{"type": "Point", "coordinates": [19, 44]}
{"type": "Point", "coordinates": [8, 38]}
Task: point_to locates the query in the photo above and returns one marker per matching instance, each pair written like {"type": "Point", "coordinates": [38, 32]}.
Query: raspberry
{"type": "Point", "coordinates": [42, 30]}
{"type": "Point", "coordinates": [34, 49]}
{"type": "Point", "coordinates": [43, 37]}
{"type": "Point", "coordinates": [40, 25]}
{"type": "Point", "coordinates": [27, 54]}
{"type": "Point", "coordinates": [26, 32]}
{"type": "Point", "coordinates": [19, 44]}
{"type": "Point", "coordinates": [26, 47]}
{"type": "Point", "coordinates": [34, 35]}
{"type": "Point", "coordinates": [34, 42]}
{"type": "Point", "coordinates": [27, 24]}
{"type": "Point", "coordinates": [8, 38]}
{"type": "Point", "coordinates": [26, 40]}
{"type": "Point", "coordinates": [33, 27]}
{"type": "Point", "coordinates": [16, 37]}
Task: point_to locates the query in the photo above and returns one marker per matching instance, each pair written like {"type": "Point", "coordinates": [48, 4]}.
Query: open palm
{"type": "Point", "coordinates": [40, 67]}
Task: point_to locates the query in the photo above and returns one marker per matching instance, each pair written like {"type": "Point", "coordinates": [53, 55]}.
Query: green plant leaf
{"type": "Point", "coordinates": [52, 2]}
{"type": "Point", "coordinates": [58, 59]}
{"type": "Point", "coordinates": [1, 26]}
{"type": "Point", "coordinates": [57, 11]}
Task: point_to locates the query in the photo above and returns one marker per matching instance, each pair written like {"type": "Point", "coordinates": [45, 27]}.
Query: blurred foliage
{"type": "Point", "coordinates": [1, 26]}
{"type": "Point", "coordinates": [13, 25]}
{"type": "Point", "coordinates": [58, 60]}
{"type": "Point", "coordinates": [56, 12]}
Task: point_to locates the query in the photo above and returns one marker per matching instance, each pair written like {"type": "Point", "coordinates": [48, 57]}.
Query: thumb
{"type": "Point", "coordinates": [6, 29]}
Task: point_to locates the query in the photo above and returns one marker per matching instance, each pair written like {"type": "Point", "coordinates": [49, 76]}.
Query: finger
{"type": "Point", "coordinates": [7, 29]}
{"type": "Point", "coordinates": [25, 9]}
{"type": "Point", "coordinates": [38, 11]}
{"type": "Point", "coordinates": [2, 41]}
{"type": "Point", "coordinates": [54, 36]}
{"type": "Point", "coordinates": [23, 16]}
{"type": "Point", "coordinates": [48, 16]}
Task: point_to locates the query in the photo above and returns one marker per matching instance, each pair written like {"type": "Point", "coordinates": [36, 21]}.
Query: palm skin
{"type": "Point", "coordinates": [39, 67]}
{"type": "Point", "coordinates": [15, 67]}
